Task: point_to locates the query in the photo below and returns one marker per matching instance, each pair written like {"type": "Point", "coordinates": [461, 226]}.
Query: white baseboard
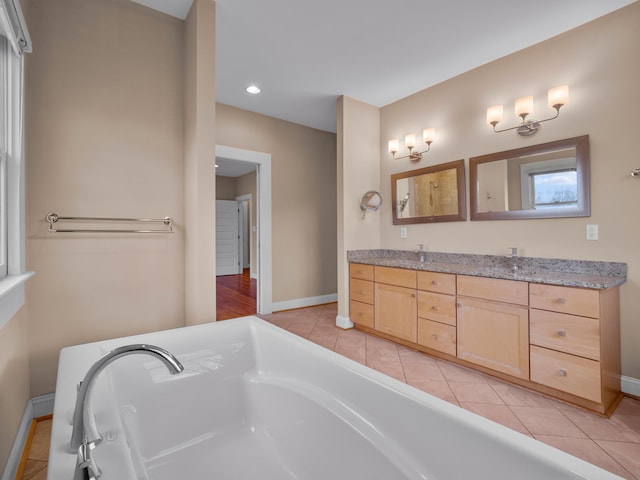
{"type": "Point", "coordinates": [36, 407]}
{"type": "Point", "coordinates": [630, 385]}
{"type": "Point", "coordinates": [304, 302]}
{"type": "Point", "coordinates": [344, 322]}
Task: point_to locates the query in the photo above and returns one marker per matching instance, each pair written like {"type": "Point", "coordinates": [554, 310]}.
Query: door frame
{"type": "Point", "coordinates": [249, 199]}
{"type": "Point", "coordinates": [262, 160]}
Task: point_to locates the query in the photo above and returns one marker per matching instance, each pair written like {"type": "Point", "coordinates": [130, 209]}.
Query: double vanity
{"type": "Point", "coordinates": [546, 324]}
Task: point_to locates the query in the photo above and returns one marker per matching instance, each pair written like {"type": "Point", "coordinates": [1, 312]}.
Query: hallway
{"type": "Point", "coordinates": [235, 296]}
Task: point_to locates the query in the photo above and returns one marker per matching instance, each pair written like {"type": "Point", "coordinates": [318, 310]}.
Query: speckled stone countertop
{"type": "Point", "coordinates": [573, 273]}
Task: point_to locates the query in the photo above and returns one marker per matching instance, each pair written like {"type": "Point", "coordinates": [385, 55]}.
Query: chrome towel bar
{"type": "Point", "coordinates": [53, 218]}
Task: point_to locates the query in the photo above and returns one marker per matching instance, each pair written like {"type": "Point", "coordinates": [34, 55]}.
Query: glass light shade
{"type": "Point", "coordinates": [410, 141]}
{"type": "Point", "coordinates": [494, 114]}
{"type": "Point", "coordinates": [524, 106]}
{"type": "Point", "coordinates": [428, 135]}
{"type": "Point", "coordinates": [394, 145]}
{"type": "Point", "coordinates": [558, 95]}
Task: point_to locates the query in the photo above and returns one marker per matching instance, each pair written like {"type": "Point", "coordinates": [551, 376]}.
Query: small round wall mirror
{"type": "Point", "coordinates": [371, 202]}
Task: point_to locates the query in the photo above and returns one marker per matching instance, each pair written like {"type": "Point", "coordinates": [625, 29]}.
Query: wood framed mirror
{"type": "Point", "coordinates": [550, 180]}
{"type": "Point", "coordinates": [430, 194]}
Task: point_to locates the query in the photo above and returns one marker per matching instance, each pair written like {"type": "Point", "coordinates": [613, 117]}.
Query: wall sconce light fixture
{"type": "Point", "coordinates": [557, 97]}
{"type": "Point", "coordinates": [428, 135]}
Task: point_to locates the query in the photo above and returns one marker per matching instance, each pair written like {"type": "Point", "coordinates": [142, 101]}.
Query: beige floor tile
{"type": "Point", "coordinates": [437, 388]}
{"type": "Point", "coordinates": [456, 373]}
{"type": "Point", "coordinates": [602, 428]}
{"type": "Point", "coordinates": [587, 450]}
{"type": "Point", "coordinates": [383, 357]}
{"type": "Point", "coordinates": [629, 406]}
{"type": "Point", "coordinates": [418, 366]}
{"type": "Point", "coordinates": [627, 454]}
{"type": "Point", "coordinates": [498, 413]}
{"type": "Point", "coordinates": [475, 393]}
{"type": "Point", "coordinates": [357, 354]}
{"type": "Point", "coordinates": [547, 421]}
{"type": "Point", "coordinates": [512, 395]}
{"type": "Point", "coordinates": [327, 340]}
{"type": "Point", "coordinates": [32, 468]}
{"type": "Point", "coordinates": [301, 329]}
{"type": "Point", "coordinates": [40, 444]}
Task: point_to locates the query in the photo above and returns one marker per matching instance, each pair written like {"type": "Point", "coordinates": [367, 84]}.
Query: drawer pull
{"type": "Point", "coordinates": [459, 304]}
{"type": "Point", "coordinates": [434, 282]}
{"type": "Point", "coordinates": [562, 333]}
{"type": "Point", "coordinates": [562, 372]}
{"type": "Point", "coordinates": [434, 336]}
{"type": "Point", "coordinates": [435, 308]}
{"type": "Point", "coordinates": [413, 295]}
{"type": "Point", "coordinates": [561, 301]}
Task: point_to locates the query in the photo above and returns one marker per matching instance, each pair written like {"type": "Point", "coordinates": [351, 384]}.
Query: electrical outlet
{"type": "Point", "coordinates": [403, 232]}
{"type": "Point", "coordinates": [592, 232]}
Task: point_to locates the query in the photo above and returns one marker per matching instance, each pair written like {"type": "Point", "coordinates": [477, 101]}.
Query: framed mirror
{"type": "Point", "coordinates": [430, 194]}
{"type": "Point", "coordinates": [550, 180]}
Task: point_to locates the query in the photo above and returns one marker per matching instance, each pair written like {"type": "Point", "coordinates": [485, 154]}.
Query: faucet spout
{"type": "Point", "coordinates": [514, 259]}
{"type": "Point", "coordinates": [84, 428]}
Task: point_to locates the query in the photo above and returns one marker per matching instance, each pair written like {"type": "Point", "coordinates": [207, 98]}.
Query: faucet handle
{"type": "Point", "coordinates": [514, 251]}
{"type": "Point", "coordinates": [420, 247]}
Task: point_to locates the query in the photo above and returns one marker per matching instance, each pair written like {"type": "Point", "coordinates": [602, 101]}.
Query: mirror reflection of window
{"type": "Point", "coordinates": [549, 184]}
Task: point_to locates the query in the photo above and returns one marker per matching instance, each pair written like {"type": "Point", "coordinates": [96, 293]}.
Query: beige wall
{"type": "Point", "coordinates": [199, 162]}
{"type": "Point", "coordinates": [104, 137]}
{"type": "Point", "coordinates": [225, 188]}
{"type": "Point", "coordinates": [600, 63]}
{"type": "Point", "coordinates": [14, 379]}
{"type": "Point", "coordinates": [303, 190]}
{"type": "Point", "coordinates": [358, 127]}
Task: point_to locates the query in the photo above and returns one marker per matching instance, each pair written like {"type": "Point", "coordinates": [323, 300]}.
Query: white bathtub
{"type": "Point", "coordinates": [257, 402]}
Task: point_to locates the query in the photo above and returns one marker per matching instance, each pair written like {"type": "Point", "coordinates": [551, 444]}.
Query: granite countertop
{"type": "Point", "coordinates": [573, 273]}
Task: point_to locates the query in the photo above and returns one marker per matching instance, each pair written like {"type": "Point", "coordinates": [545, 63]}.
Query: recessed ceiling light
{"type": "Point", "coordinates": [253, 89]}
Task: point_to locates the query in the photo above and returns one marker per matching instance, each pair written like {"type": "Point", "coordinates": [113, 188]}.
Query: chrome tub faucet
{"type": "Point", "coordinates": [85, 436]}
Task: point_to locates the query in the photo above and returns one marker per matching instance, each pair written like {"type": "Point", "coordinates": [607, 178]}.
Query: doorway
{"type": "Point", "coordinates": [262, 235]}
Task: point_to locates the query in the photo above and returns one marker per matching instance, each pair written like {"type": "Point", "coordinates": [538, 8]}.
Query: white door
{"type": "Point", "coordinates": [227, 252]}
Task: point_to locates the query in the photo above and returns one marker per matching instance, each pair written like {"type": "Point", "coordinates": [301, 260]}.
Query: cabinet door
{"type": "Point", "coordinates": [396, 311]}
{"type": "Point", "coordinates": [494, 335]}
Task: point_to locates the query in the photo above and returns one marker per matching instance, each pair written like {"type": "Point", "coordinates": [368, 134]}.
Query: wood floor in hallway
{"type": "Point", "coordinates": [235, 295]}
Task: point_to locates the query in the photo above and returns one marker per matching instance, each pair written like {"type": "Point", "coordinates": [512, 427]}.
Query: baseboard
{"type": "Point", "coordinates": [344, 322]}
{"type": "Point", "coordinates": [36, 407]}
{"type": "Point", "coordinates": [304, 302]}
{"type": "Point", "coordinates": [630, 385]}
{"type": "Point", "coordinates": [43, 405]}
{"type": "Point", "coordinates": [19, 441]}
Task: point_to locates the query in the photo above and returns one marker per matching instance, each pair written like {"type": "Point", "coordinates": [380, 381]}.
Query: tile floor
{"type": "Point", "coordinates": [613, 443]}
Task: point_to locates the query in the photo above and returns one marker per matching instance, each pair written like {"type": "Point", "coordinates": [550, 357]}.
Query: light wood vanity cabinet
{"type": "Point", "coordinates": [437, 311]}
{"type": "Point", "coordinates": [361, 294]}
{"type": "Point", "coordinates": [563, 341]}
{"type": "Point", "coordinates": [396, 303]}
{"type": "Point", "coordinates": [575, 341]}
{"type": "Point", "coordinates": [493, 324]}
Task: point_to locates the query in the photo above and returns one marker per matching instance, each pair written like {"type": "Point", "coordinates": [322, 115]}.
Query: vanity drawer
{"type": "Point", "coordinates": [363, 272]}
{"type": "Point", "coordinates": [361, 290]}
{"type": "Point", "coordinates": [438, 307]}
{"type": "Point", "coordinates": [395, 276]}
{"type": "Point", "coordinates": [361, 313]}
{"type": "Point", "coordinates": [508, 291]}
{"type": "Point", "coordinates": [566, 333]}
{"type": "Point", "coordinates": [576, 301]}
{"type": "Point", "coordinates": [437, 282]}
{"type": "Point", "coordinates": [576, 375]}
{"type": "Point", "coordinates": [437, 336]}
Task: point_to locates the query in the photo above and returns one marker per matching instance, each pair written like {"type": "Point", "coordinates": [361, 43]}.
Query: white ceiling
{"type": "Point", "coordinates": [304, 54]}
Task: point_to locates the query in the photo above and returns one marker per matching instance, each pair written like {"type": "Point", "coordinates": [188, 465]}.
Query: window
{"type": "Point", "coordinates": [14, 41]}
{"type": "Point", "coordinates": [555, 188]}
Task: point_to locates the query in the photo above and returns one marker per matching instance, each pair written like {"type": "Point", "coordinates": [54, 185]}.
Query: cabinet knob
{"type": "Point", "coordinates": [434, 336]}
{"type": "Point", "coordinates": [413, 295]}
{"type": "Point", "coordinates": [434, 282]}
{"type": "Point", "coordinates": [459, 305]}
{"type": "Point", "coordinates": [562, 372]}
{"type": "Point", "coordinates": [435, 308]}
{"type": "Point", "coordinates": [562, 333]}
{"type": "Point", "coordinates": [561, 301]}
